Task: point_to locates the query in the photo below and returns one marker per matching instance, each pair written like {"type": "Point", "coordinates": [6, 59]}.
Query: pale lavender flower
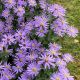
{"type": "Point", "coordinates": [53, 52]}
{"type": "Point", "coordinates": [20, 34]}
{"type": "Point", "coordinates": [29, 27]}
{"type": "Point", "coordinates": [67, 57]}
{"type": "Point", "coordinates": [20, 59]}
{"type": "Point", "coordinates": [65, 74]}
{"type": "Point", "coordinates": [24, 76]}
{"type": "Point", "coordinates": [9, 3]}
{"type": "Point", "coordinates": [7, 66]}
{"type": "Point", "coordinates": [47, 61]}
{"type": "Point", "coordinates": [56, 76]}
{"type": "Point", "coordinates": [25, 45]}
{"type": "Point", "coordinates": [41, 31]}
{"type": "Point", "coordinates": [60, 26]}
{"type": "Point", "coordinates": [60, 63]}
{"type": "Point", "coordinates": [57, 10]}
{"type": "Point", "coordinates": [41, 21]}
{"type": "Point", "coordinates": [43, 4]}
{"type": "Point", "coordinates": [6, 13]}
{"type": "Point", "coordinates": [8, 39]}
{"type": "Point", "coordinates": [32, 3]}
{"type": "Point", "coordinates": [72, 31]}
{"type": "Point", "coordinates": [33, 69]}
{"type": "Point", "coordinates": [20, 11]}
{"type": "Point", "coordinates": [6, 75]}
{"type": "Point", "coordinates": [35, 45]}
{"type": "Point", "coordinates": [57, 47]}
{"type": "Point", "coordinates": [22, 3]}
{"type": "Point", "coordinates": [31, 57]}
{"type": "Point", "coordinates": [8, 28]}
{"type": "Point", "coordinates": [9, 20]}
{"type": "Point", "coordinates": [54, 49]}
{"type": "Point", "coordinates": [6, 71]}
{"type": "Point", "coordinates": [17, 68]}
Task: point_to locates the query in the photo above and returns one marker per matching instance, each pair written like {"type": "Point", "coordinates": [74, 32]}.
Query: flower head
{"type": "Point", "coordinates": [47, 61]}
{"type": "Point", "coordinates": [33, 69]}
{"type": "Point", "coordinates": [72, 31]}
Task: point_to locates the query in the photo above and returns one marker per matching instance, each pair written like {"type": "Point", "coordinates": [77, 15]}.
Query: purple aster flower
{"type": "Point", "coordinates": [33, 69]}
{"type": "Point", "coordinates": [57, 10]}
{"type": "Point", "coordinates": [43, 4]}
{"type": "Point", "coordinates": [29, 27]}
{"type": "Point", "coordinates": [9, 3]}
{"type": "Point", "coordinates": [60, 62]}
{"type": "Point", "coordinates": [56, 76]}
{"type": "Point", "coordinates": [47, 61]}
{"type": "Point", "coordinates": [9, 20]}
{"type": "Point", "coordinates": [25, 45]}
{"type": "Point", "coordinates": [65, 74]}
{"type": "Point", "coordinates": [31, 57]}
{"type": "Point", "coordinates": [8, 28]}
{"type": "Point", "coordinates": [6, 72]}
{"type": "Point", "coordinates": [41, 32]}
{"type": "Point", "coordinates": [32, 3]}
{"type": "Point", "coordinates": [67, 57]}
{"type": "Point", "coordinates": [35, 45]}
{"type": "Point", "coordinates": [41, 21]}
{"type": "Point", "coordinates": [20, 59]}
{"type": "Point", "coordinates": [17, 68]}
{"type": "Point", "coordinates": [8, 39]}
{"type": "Point", "coordinates": [19, 35]}
{"type": "Point", "coordinates": [20, 11]}
{"type": "Point", "coordinates": [60, 26]}
{"type": "Point", "coordinates": [7, 66]}
{"type": "Point", "coordinates": [6, 13]}
{"type": "Point", "coordinates": [25, 76]}
{"type": "Point", "coordinates": [55, 46]}
{"type": "Point", "coordinates": [72, 31]}
{"type": "Point", "coordinates": [42, 50]}
{"type": "Point", "coordinates": [6, 75]}
{"type": "Point", "coordinates": [52, 51]}
{"type": "Point", "coordinates": [22, 3]}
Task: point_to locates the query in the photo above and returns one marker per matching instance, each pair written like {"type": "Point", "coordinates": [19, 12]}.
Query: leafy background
{"type": "Point", "coordinates": [68, 44]}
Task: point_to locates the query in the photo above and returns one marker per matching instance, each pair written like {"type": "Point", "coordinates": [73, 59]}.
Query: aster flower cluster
{"type": "Point", "coordinates": [22, 23]}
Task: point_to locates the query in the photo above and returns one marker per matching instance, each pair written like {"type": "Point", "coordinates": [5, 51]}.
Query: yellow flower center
{"type": "Point", "coordinates": [10, 1]}
{"type": "Point", "coordinates": [41, 24]}
{"type": "Point", "coordinates": [59, 62]}
{"type": "Point", "coordinates": [66, 74]}
{"type": "Point", "coordinates": [53, 51]}
{"type": "Point", "coordinates": [18, 67]}
{"type": "Point", "coordinates": [41, 31]}
{"type": "Point", "coordinates": [72, 30]}
{"type": "Point", "coordinates": [57, 78]}
{"type": "Point", "coordinates": [33, 45]}
{"type": "Point", "coordinates": [34, 69]}
{"type": "Point", "coordinates": [46, 59]}
{"type": "Point", "coordinates": [32, 57]}
{"type": "Point", "coordinates": [20, 9]}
